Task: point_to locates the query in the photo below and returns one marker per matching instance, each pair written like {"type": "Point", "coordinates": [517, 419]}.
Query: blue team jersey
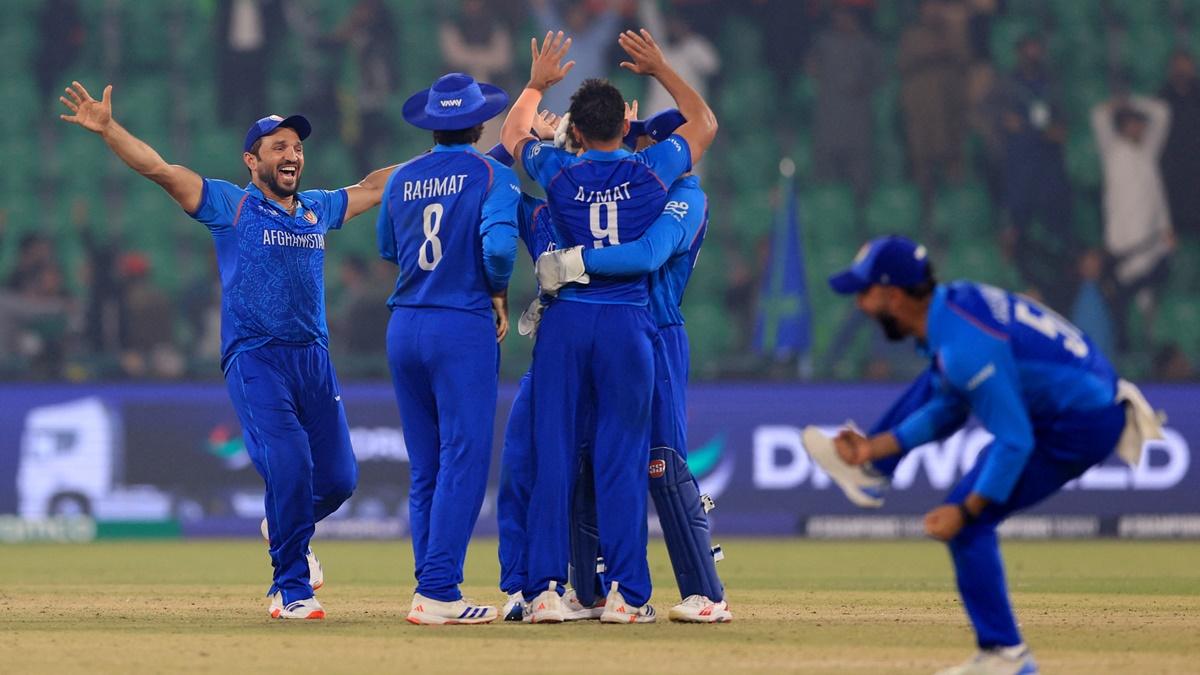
{"type": "Point", "coordinates": [438, 210]}
{"type": "Point", "coordinates": [1013, 363]}
{"type": "Point", "coordinates": [272, 264]}
{"type": "Point", "coordinates": [602, 199]}
{"type": "Point", "coordinates": [533, 226]}
{"type": "Point", "coordinates": [688, 206]}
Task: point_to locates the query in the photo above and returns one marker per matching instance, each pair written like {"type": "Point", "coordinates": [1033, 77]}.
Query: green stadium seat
{"type": "Point", "coordinates": [1083, 160]}
{"type": "Point", "coordinates": [1185, 268]}
{"type": "Point", "coordinates": [963, 212]}
{"type": "Point", "coordinates": [829, 214]}
{"type": "Point", "coordinates": [710, 334]}
{"type": "Point", "coordinates": [978, 262]}
{"type": "Point", "coordinates": [753, 215]}
{"type": "Point", "coordinates": [1005, 34]}
{"type": "Point", "coordinates": [894, 209]}
{"type": "Point", "coordinates": [1178, 321]}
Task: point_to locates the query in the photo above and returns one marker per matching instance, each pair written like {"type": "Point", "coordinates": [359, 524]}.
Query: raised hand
{"type": "Point", "coordinates": [647, 58]}
{"type": "Point", "coordinates": [87, 112]}
{"type": "Point", "coordinates": [547, 68]}
{"type": "Point", "coordinates": [545, 125]}
{"type": "Point", "coordinates": [631, 111]}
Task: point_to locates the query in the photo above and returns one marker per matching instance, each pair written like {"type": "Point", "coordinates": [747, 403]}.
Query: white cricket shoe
{"type": "Point", "coordinates": [514, 608]}
{"type": "Point", "coordinates": [308, 608]}
{"type": "Point", "coordinates": [699, 609]}
{"type": "Point", "coordinates": [861, 485]}
{"type": "Point", "coordinates": [547, 607]}
{"type": "Point", "coordinates": [316, 575]}
{"type": "Point", "coordinates": [574, 610]}
{"type": "Point", "coordinates": [1000, 661]}
{"type": "Point", "coordinates": [616, 610]}
{"type": "Point", "coordinates": [429, 612]}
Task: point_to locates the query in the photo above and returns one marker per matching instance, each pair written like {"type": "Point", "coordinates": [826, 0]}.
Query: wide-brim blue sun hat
{"type": "Point", "coordinates": [455, 101]}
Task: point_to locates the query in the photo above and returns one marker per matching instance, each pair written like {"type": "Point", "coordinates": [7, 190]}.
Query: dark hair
{"type": "Point", "coordinates": [459, 136]}
{"type": "Point", "coordinates": [925, 288]}
{"type": "Point", "coordinates": [598, 110]}
{"type": "Point", "coordinates": [1125, 115]}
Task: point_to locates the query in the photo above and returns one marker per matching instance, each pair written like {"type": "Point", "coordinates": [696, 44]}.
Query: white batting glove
{"type": "Point", "coordinates": [527, 325]}
{"type": "Point", "coordinates": [556, 269]}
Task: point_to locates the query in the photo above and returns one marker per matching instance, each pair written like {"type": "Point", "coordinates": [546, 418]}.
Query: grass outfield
{"type": "Point", "coordinates": [800, 606]}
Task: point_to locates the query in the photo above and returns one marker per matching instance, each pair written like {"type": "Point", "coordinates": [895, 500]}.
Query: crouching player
{"type": "Point", "coordinates": [667, 251]}
{"type": "Point", "coordinates": [1038, 384]}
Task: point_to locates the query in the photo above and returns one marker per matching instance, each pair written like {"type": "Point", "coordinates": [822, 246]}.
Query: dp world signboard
{"type": "Point", "coordinates": [175, 454]}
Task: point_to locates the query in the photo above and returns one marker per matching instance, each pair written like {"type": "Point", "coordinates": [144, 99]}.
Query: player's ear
{"type": "Point", "coordinates": [625, 128]}
{"type": "Point", "coordinates": [250, 161]}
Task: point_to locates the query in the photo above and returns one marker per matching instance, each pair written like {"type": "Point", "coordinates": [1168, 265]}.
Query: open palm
{"type": "Point", "coordinates": [87, 112]}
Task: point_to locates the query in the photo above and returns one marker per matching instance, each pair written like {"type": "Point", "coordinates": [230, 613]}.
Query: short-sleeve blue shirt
{"type": "Point", "coordinates": [602, 199]}
{"type": "Point", "coordinates": [272, 264]}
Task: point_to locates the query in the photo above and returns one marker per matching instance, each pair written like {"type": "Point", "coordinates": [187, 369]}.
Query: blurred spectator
{"type": "Point", "coordinates": [35, 253]}
{"type": "Point", "coordinates": [845, 63]}
{"type": "Point", "coordinates": [592, 27]}
{"type": "Point", "coordinates": [1090, 310]}
{"type": "Point", "coordinates": [60, 40]}
{"type": "Point", "coordinates": [475, 43]}
{"type": "Point", "coordinates": [932, 60]}
{"type": "Point", "coordinates": [243, 58]}
{"type": "Point", "coordinates": [147, 323]}
{"type": "Point", "coordinates": [34, 320]}
{"type": "Point", "coordinates": [1027, 110]}
{"type": "Point", "coordinates": [362, 316]}
{"type": "Point", "coordinates": [101, 327]}
{"type": "Point", "coordinates": [1171, 364]}
{"type": "Point", "coordinates": [1181, 156]}
{"type": "Point", "coordinates": [692, 55]}
{"type": "Point", "coordinates": [319, 60]}
{"type": "Point", "coordinates": [370, 32]}
{"type": "Point", "coordinates": [1137, 224]}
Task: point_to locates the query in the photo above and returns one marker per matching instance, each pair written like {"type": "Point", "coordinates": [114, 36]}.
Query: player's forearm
{"type": "Point", "coordinates": [136, 154]}
{"type": "Point", "coordinates": [185, 186]}
{"type": "Point", "coordinates": [643, 256]}
{"type": "Point", "coordinates": [520, 119]}
{"type": "Point", "coordinates": [884, 445]}
{"type": "Point", "coordinates": [701, 125]}
{"type": "Point", "coordinates": [377, 179]}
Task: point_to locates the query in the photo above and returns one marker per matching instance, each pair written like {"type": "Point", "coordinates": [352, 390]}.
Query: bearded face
{"type": "Point", "coordinates": [278, 162]}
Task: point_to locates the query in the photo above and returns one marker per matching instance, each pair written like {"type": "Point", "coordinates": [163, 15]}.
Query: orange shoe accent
{"type": "Point", "coordinates": [415, 622]}
{"type": "Point", "coordinates": [319, 614]}
{"type": "Point", "coordinates": [275, 613]}
{"type": "Point", "coordinates": [540, 607]}
{"type": "Point", "coordinates": [318, 586]}
{"type": "Point", "coordinates": [420, 608]}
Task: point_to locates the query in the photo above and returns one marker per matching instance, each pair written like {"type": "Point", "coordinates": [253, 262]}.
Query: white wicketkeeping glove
{"type": "Point", "coordinates": [532, 316]}
{"type": "Point", "coordinates": [556, 269]}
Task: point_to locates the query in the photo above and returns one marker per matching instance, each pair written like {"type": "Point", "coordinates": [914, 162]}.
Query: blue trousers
{"type": "Point", "coordinates": [592, 358]}
{"type": "Point", "coordinates": [290, 407]}
{"type": "Point", "coordinates": [516, 483]}
{"type": "Point", "coordinates": [444, 367]}
{"type": "Point", "coordinates": [668, 416]}
{"type": "Point", "coordinates": [1064, 449]}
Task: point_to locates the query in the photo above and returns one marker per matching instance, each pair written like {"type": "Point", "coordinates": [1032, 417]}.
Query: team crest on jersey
{"type": "Point", "coordinates": [310, 216]}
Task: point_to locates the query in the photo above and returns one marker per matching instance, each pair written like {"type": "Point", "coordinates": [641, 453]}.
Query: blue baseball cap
{"type": "Point", "coordinates": [658, 126]}
{"type": "Point", "coordinates": [455, 101]}
{"type": "Point", "coordinates": [267, 126]}
{"type": "Point", "coordinates": [890, 261]}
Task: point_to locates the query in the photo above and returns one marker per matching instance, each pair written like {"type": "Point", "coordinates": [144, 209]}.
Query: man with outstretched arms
{"type": "Point", "coordinates": [270, 242]}
{"type": "Point", "coordinates": [1050, 399]}
{"type": "Point", "coordinates": [449, 222]}
{"type": "Point", "coordinates": [668, 251]}
{"type": "Point", "coordinates": [594, 350]}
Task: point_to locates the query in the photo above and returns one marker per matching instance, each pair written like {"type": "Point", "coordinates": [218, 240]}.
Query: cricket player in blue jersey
{"type": "Point", "coordinates": [598, 198]}
{"type": "Point", "coordinates": [449, 222]}
{"type": "Point", "coordinates": [270, 242]}
{"type": "Point", "coordinates": [1052, 401]}
{"type": "Point", "coordinates": [668, 251]}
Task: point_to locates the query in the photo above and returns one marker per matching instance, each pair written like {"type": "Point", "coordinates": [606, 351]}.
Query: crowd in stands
{"type": "Point", "coordinates": [1050, 146]}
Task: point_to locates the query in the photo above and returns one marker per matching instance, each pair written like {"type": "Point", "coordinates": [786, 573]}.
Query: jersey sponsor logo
{"type": "Point", "coordinates": [678, 147]}
{"type": "Point", "coordinates": [438, 186]}
{"type": "Point", "coordinates": [285, 238]}
{"type": "Point", "coordinates": [658, 468]}
{"type": "Point", "coordinates": [610, 194]}
{"type": "Point", "coordinates": [677, 209]}
{"type": "Point", "coordinates": [451, 103]}
{"type": "Point", "coordinates": [981, 377]}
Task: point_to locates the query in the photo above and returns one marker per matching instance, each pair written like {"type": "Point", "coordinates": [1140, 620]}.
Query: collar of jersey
{"type": "Point", "coordinates": [933, 322]}
{"type": "Point", "coordinates": [606, 155]}
{"type": "Point", "coordinates": [462, 147]}
{"type": "Point", "coordinates": [301, 201]}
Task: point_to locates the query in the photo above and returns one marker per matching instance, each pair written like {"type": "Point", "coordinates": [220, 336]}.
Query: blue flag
{"type": "Point", "coordinates": [784, 327]}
